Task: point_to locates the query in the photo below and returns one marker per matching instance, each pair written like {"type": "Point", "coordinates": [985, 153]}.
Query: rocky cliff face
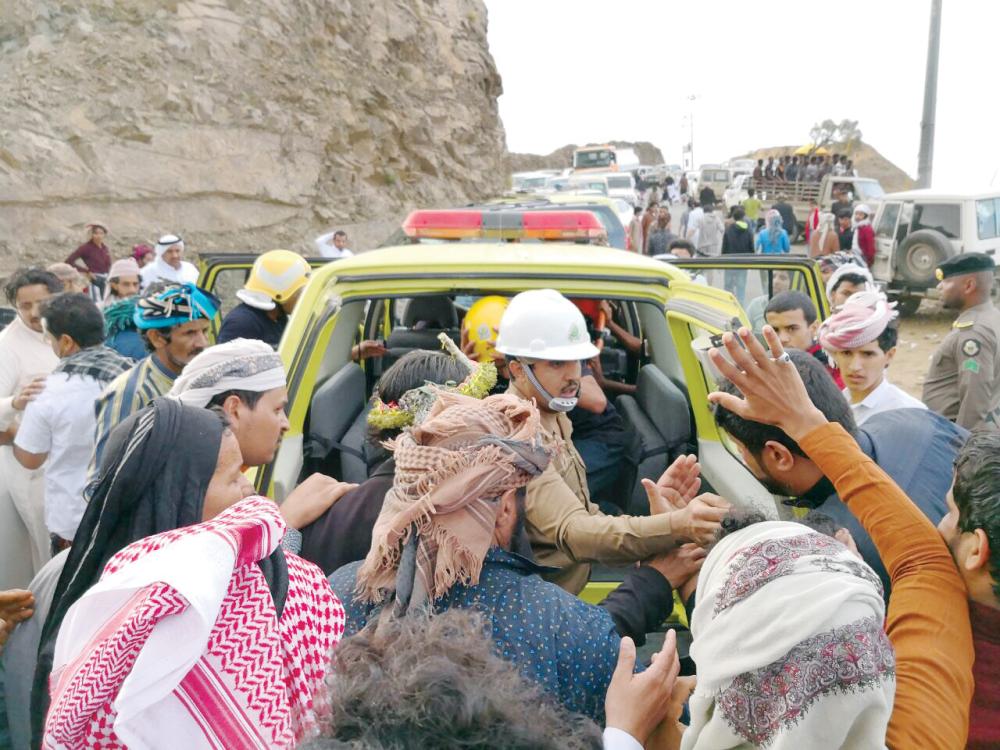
{"type": "Point", "coordinates": [240, 124]}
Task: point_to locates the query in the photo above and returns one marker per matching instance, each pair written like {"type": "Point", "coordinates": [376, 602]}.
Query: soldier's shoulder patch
{"type": "Point", "coordinates": [971, 365]}
{"type": "Point", "coordinates": [963, 324]}
{"type": "Point", "coordinates": [971, 347]}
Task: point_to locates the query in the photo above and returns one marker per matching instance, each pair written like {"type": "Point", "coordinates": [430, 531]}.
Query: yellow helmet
{"type": "Point", "coordinates": [481, 324]}
{"type": "Point", "coordinates": [274, 279]}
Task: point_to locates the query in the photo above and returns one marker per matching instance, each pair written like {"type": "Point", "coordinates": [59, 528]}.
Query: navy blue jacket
{"type": "Point", "coordinates": [917, 448]}
{"type": "Point", "coordinates": [245, 322]}
{"type": "Point", "coordinates": [568, 647]}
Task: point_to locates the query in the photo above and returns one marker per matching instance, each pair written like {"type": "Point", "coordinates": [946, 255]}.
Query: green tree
{"type": "Point", "coordinates": [827, 132]}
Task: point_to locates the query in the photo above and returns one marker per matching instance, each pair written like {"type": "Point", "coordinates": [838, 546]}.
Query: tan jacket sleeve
{"type": "Point", "coordinates": [976, 378]}
{"type": "Point", "coordinates": [585, 534]}
{"type": "Point", "coordinates": [928, 617]}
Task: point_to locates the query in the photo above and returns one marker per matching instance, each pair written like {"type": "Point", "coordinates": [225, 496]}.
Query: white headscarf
{"type": "Point", "coordinates": [160, 270]}
{"type": "Point", "coordinates": [849, 268]}
{"type": "Point", "coordinates": [166, 242]}
{"type": "Point", "coordinates": [789, 645]}
{"type": "Point", "coordinates": [240, 365]}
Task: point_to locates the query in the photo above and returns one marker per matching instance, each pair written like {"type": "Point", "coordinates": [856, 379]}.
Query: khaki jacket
{"type": "Point", "coordinates": [568, 531]}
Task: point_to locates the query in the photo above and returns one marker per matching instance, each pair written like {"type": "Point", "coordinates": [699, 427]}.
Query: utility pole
{"type": "Point", "coordinates": [925, 161]}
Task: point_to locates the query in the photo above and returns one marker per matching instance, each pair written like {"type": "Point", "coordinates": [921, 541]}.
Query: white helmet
{"type": "Point", "coordinates": [542, 324]}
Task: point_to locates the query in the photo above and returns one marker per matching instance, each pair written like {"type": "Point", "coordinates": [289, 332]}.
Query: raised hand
{"type": "Point", "coordinates": [637, 703]}
{"type": "Point", "coordinates": [773, 391]}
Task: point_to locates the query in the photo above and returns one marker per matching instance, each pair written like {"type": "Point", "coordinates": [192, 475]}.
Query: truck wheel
{"type": "Point", "coordinates": [908, 305]}
{"type": "Point", "coordinates": [919, 255]}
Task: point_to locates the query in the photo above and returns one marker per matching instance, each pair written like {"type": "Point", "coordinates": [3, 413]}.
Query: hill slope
{"type": "Point", "coordinates": [240, 124]}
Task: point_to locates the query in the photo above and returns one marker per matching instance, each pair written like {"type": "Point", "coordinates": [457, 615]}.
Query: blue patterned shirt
{"type": "Point", "coordinates": [567, 646]}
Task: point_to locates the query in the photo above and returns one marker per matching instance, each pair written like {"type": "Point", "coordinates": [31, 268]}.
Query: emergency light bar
{"type": "Point", "coordinates": [505, 225]}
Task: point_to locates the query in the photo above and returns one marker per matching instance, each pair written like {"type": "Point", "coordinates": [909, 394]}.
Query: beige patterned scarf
{"type": "Point", "coordinates": [437, 521]}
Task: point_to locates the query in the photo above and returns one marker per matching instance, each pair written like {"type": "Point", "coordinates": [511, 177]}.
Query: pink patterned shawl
{"type": "Point", "coordinates": [179, 644]}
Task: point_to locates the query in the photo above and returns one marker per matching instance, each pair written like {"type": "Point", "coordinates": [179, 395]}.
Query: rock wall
{"type": "Point", "coordinates": [239, 124]}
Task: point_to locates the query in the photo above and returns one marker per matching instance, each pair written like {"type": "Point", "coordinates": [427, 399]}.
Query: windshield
{"type": "Point", "coordinates": [715, 175]}
{"type": "Point", "coordinates": [620, 182]}
{"type": "Point", "coordinates": [868, 190]}
{"type": "Point", "coordinates": [531, 183]}
{"type": "Point", "coordinates": [597, 158]}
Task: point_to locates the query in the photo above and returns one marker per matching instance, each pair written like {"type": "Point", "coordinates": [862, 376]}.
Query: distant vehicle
{"type": "Point", "coordinates": [590, 182]}
{"type": "Point", "coordinates": [917, 229]}
{"type": "Point", "coordinates": [717, 178]}
{"type": "Point", "coordinates": [606, 158]}
{"type": "Point", "coordinates": [526, 182]}
{"type": "Point", "coordinates": [622, 185]}
{"type": "Point", "coordinates": [799, 194]}
{"type": "Point", "coordinates": [741, 166]}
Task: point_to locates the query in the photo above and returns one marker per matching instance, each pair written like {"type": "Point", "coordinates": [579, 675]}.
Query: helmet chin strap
{"type": "Point", "coordinates": [555, 403]}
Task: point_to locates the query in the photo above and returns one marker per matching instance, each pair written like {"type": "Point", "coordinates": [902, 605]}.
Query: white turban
{"type": "Point", "coordinates": [789, 644]}
{"type": "Point", "coordinates": [844, 270]}
{"type": "Point", "coordinates": [863, 208]}
{"type": "Point", "coordinates": [166, 242]}
{"type": "Point", "coordinates": [237, 365]}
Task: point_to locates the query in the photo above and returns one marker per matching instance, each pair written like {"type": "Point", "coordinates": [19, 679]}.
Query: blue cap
{"type": "Point", "coordinates": [177, 304]}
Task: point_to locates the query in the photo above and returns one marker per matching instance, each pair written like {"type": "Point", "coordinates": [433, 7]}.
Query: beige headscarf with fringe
{"type": "Point", "coordinates": [451, 471]}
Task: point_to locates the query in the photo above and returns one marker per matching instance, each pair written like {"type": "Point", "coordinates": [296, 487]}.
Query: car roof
{"type": "Point", "coordinates": [949, 195]}
{"type": "Point", "coordinates": [499, 259]}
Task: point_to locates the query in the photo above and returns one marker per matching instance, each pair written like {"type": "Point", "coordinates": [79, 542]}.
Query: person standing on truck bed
{"type": "Point", "coordinates": [963, 383]}
{"type": "Point", "coordinates": [812, 170]}
{"type": "Point", "coordinates": [792, 170]}
{"type": "Point", "coordinates": [758, 171]}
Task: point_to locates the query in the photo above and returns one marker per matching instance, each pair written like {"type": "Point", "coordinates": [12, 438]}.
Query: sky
{"type": "Point", "coordinates": [588, 71]}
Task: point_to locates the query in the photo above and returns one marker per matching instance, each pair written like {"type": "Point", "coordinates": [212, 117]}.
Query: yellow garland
{"type": "Point", "coordinates": [384, 417]}
{"type": "Point", "coordinates": [481, 382]}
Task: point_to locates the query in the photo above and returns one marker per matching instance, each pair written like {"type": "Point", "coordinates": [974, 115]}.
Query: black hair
{"type": "Point", "coordinates": [636, 210]}
{"type": "Point", "coordinates": [147, 342]}
{"type": "Point", "coordinates": [821, 522]}
{"type": "Point", "coordinates": [340, 233]}
{"type": "Point", "coordinates": [410, 371]}
{"type": "Point", "coordinates": [682, 244]}
{"type": "Point", "coordinates": [977, 492]}
{"type": "Point", "coordinates": [249, 398]}
{"type": "Point", "coordinates": [888, 338]}
{"type": "Point", "coordinates": [23, 277]}
{"type": "Point", "coordinates": [844, 213]}
{"type": "Point", "coordinates": [738, 519]}
{"type": "Point", "coordinates": [670, 181]}
{"type": "Point", "coordinates": [739, 213]}
{"type": "Point", "coordinates": [792, 300]}
{"type": "Point", "coordinates": [750, 192]}
{"type": "Point", "coordinates": [76, 316]}
{"type": "Point", "coordinates": [850, 278]}
{"type": "Point", "coordinates": [822, 391]}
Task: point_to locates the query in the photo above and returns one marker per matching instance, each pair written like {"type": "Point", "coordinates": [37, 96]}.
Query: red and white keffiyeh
{"type": "Point", "coordinates": [179, 644]}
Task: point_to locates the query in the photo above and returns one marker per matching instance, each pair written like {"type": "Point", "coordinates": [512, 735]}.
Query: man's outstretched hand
{"type": "Point", "coordinates": [676, 487]}
{"type": "Point", "coordinates": [773, 391]}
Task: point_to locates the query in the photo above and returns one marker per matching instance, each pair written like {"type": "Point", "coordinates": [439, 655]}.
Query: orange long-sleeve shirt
{"type": "Point", "coordinates": [928, 617]}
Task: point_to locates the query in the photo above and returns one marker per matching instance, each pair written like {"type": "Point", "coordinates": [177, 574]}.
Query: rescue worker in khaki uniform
{"type": "Point", "coordinates": [963, 383]}
{"type": "Point", "coordinates": [544, 338]}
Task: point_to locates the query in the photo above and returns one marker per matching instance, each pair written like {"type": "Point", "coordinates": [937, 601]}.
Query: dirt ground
{"type": "Point", "coordinates": [919, 336]}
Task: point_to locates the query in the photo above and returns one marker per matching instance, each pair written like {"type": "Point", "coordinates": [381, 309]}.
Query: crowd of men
{"type": "Point", "coordinates": [149, 598]}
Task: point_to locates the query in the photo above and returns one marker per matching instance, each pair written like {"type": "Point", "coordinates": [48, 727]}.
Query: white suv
{"type": "Point", "coordinates": [917, 229]}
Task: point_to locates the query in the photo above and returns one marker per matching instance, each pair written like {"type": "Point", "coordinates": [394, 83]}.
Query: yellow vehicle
{"type": "Point", "coordinates": [405, 296]}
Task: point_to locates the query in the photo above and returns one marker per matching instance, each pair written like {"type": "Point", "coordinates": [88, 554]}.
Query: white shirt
{"type": "Point", "coordinates": [62, 423]}
{"type": "Point", "coordinates": [695, 218]}
{"type": "Point", "coordinates": [326, 248]}
{"type": "Point", "coordinates": [23, 355]}
{"type": "Point", "coordinates": [159, 270]}
{"type": "Point", "coordinates": [618, 739]}
{"type": "Point", "coordinates": [884, 397]}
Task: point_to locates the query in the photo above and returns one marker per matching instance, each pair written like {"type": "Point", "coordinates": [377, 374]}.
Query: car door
{"type": "Point", "coordinates": [754, 279]}
{"type": "Point", "coordinates": [693, 313]}
{"type": "Point", "coordinates": [223, 274]}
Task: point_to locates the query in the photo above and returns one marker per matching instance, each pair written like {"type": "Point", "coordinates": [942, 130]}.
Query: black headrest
{"type": "Point", "coordinates": [433, 312]}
